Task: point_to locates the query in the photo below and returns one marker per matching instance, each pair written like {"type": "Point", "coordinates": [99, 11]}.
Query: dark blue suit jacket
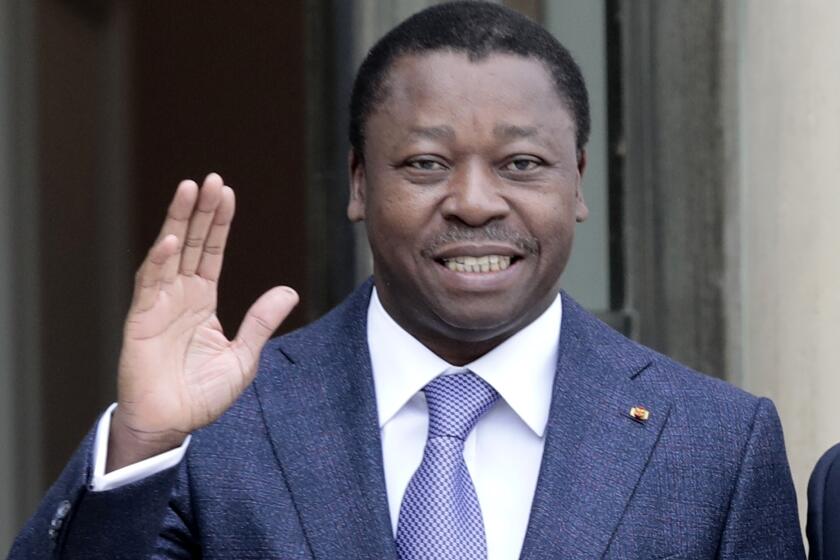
{"type": "Point", "coordinates": [824, 507]}
{"type": "Point", "coordinates": [294, 469]}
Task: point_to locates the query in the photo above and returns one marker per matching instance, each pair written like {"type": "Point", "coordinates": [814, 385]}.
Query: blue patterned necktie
{"type": "Point", "coordinates": [440, 517]}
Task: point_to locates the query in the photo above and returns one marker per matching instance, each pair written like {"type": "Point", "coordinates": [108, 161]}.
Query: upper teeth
{"type": "Point", "coordinates": [487, 263]}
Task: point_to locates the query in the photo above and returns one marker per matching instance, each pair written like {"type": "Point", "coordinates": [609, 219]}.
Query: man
{"type": "Point", "coordinates": [824, 507]}
{"type": "Point", "coordinates": [457, 406]}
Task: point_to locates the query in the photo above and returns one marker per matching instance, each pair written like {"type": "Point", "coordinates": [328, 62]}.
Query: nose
{"type": "Point", "coordinates": [474, 196]}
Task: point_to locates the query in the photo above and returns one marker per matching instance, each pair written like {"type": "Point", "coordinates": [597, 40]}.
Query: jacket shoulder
{"type": "Point", "coordinates": [703, 398]}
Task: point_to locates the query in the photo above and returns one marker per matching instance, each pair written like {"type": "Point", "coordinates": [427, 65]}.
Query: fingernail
{"type": "Point", "coordinates": [289, 290]}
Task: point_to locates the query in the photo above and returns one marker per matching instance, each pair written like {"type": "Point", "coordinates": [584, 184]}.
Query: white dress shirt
{"type": "Point", "coordinates": [503, 452]}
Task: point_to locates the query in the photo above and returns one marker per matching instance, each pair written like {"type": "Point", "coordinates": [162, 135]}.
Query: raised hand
{"type": "Point", "coordinates": [178, 372]}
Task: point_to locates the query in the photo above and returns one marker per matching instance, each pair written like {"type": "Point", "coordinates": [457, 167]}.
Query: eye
{"type": "Point", "coordinates": [426, 164]}
{"type": "Point", "coordinates": [522, 163]}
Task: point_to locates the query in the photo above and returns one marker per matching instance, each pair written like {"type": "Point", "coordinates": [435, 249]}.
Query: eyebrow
{"type": "Point", "coordinates": [510, 131]}
{"type": "Point", "coordinates": [502, 131]}
{"type": "Point", "coordinates": [443, 132]}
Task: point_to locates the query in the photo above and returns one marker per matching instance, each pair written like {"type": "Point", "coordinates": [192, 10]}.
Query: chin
{"type": "Point", "coordinates": [472, 325]}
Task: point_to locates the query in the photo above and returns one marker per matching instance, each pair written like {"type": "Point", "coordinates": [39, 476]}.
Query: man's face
{"type": "Point", "coordinates": [470, 190]}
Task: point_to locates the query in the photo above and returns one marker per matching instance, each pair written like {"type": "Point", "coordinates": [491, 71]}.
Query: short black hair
{"type": "Point", "coordinates": [477, 29]}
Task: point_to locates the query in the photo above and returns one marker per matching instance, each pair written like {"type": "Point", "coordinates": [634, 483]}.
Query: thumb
{"type": "Point", "coordinates": [260, 322]}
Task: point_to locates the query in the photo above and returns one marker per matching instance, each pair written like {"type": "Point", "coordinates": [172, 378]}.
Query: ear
{"type": "Point", "coordinates": [581, 210]}
{"type": "Point", "coordinates": [358, 185]}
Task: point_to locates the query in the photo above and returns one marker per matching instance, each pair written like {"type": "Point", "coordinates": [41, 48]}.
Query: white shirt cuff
{"type": "Point", "coordinates": [132, 473]}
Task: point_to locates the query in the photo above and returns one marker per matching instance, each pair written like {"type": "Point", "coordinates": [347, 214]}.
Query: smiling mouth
{"type": "Point", "coordinates": [477, 265]}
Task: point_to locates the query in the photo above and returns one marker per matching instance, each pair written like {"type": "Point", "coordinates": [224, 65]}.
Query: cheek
{"type": "Point", "coordinates": [399, 213]}
{"type": "Point", "coordinates": [554, 227]}
{"type": "Point", "coordinates": [554, 244]}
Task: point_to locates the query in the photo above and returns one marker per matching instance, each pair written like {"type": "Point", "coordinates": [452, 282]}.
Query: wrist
{"type": "Point", "coordinates": [128, 445]}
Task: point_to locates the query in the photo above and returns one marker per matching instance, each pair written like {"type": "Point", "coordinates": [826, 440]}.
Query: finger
{"type": "Point", "coordinates": [260, 322]}
{"type": "Point", "coordinates": [147, 280]}
{"type": "Point", "coordinates": [210, 266]}
{"type": "Point", "coordinates": [177, 220]}
{"type": "Point", "coordinates": [200, 221]}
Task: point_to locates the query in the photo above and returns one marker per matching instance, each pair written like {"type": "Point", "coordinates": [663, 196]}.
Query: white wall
{"type": "Point", "coordinates": [784, 225]}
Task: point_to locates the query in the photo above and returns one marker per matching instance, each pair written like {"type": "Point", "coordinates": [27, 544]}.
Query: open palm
{"type": "Point", "coordinates": [178, 372]}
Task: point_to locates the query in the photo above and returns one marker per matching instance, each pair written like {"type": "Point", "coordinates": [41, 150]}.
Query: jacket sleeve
{"type": "Point", "coordinates": [763, 521]}
{"type": "Point", "coordinates": [72, 521]}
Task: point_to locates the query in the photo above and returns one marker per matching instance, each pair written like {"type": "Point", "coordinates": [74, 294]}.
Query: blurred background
{"type": "Point", "coordinates": [712, 185]}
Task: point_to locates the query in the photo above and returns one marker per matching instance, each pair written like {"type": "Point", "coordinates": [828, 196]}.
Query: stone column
{"type": "Point", "coordinates": [669, 151]}
{"type": "Point", "coordinates": [6, 364]}
{"type": "Point", "coordinates": [20, 412]}
{"type": "Point", "coordinates": [783, 231]}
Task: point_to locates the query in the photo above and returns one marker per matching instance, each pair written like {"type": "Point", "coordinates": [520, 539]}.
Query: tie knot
{"type": "Point", "coordinates": [456, 402]}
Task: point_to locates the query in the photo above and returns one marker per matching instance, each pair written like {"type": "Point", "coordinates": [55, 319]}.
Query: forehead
{"type": "Point", "coordinates": [497, 90]}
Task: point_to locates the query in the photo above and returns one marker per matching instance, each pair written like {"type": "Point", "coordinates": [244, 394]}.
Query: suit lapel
{"type": "Point", "coordinates": [595, 452]}
{"type": "Point", "coordinates": [319, 403]}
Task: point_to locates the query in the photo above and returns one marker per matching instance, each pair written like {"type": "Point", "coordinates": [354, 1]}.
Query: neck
{"type": "Point", "coordinates": [458, 345]}
{"type": "Point", "coordinates": [460, 353]}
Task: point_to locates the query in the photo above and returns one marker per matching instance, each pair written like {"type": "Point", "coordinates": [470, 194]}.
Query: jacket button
{"type": "Point", "coordinates": [58, 519]}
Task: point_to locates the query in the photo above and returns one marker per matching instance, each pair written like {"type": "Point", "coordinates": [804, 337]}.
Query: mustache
{"type": "Point", "coordinates": [490, 232]}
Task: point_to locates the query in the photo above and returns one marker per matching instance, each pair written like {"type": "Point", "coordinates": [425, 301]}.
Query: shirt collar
{"type": "Point", "coordinates": [521, 369]}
